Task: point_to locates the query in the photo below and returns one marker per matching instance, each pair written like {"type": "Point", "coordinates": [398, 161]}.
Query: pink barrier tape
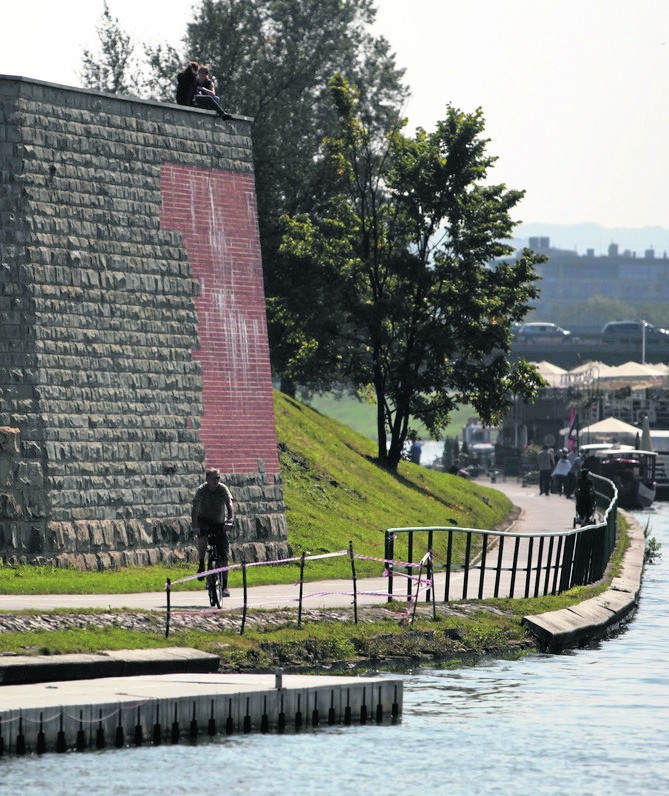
{"type": "Point", "coordinates": [272, 563]}
{"type": "Point", "coordinates": [404, 575]}
{"type": "Point", "coordinates": [266, 604]}
{"type": "Point", "coordinates": [260, 564]}
{"type": "Point", "coordinates": [343, 594]}
{"type": "Point", "coordinates": [422, 586]}
{"type": "Point", "coordinates": [386, 561]}
{"type": "Point", "coordinates": [336, 554]}
{"type": "Point", "coordinates": [204, 574]}
{"type": "Point", "coordinates": [204, 611]}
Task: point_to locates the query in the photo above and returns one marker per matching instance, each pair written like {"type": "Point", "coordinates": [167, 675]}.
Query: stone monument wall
{"type": "Point", "coordinates": [133, 343]}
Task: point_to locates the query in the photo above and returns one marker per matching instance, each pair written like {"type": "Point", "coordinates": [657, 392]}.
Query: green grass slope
{"type": "Point", "coordinates": [335, 492]}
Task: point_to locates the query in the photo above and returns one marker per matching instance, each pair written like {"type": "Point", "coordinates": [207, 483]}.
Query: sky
{"type": "Point", "coordinates": [575, 93]}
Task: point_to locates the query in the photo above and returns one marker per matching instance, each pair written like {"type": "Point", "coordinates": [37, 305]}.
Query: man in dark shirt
{"type": "Point", "coordinates": [213, 512]}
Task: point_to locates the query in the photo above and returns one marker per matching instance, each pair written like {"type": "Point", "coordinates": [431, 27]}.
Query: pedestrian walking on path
{"type": "Point", "coordinates": [545, 463]}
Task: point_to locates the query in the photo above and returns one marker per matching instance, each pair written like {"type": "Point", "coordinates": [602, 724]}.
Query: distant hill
{"type": "Point", "coordinates": [581, 237]}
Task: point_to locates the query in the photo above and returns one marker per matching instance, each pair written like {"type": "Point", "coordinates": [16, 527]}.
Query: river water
{"type": "Point", "coordinates": [592, 721]}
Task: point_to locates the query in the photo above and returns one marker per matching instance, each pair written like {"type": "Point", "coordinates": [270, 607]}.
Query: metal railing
{"type": "Point", "coordinates": [514, 565]}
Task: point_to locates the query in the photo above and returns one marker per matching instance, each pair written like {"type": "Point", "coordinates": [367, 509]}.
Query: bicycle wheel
{"type": "Point", "coordinates": [214, 585]}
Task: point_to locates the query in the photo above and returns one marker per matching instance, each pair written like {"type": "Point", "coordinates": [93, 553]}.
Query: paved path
{"type": "Point", "coordinates": [538, 514]}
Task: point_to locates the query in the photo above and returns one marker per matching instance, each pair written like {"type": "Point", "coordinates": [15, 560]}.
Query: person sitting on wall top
{"type": "Point", "coordinates": [204, 84]}
{"type": "Point", "coordinates": [195, 87]}
{"type": "Point", "coordinates": [187, 83]}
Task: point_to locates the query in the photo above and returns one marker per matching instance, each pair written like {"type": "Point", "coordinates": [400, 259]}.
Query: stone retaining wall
{"type": "Point", "coordinates": [133, 345]}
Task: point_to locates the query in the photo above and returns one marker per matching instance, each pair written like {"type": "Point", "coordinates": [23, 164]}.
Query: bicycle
{"type": "Point", "coordinates": [217, 583]}
{"type": "Point", "coordinates": [586, 503]}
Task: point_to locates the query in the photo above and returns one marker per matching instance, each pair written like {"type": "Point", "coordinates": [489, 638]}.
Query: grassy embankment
{"type": "Point", "coordinates": [334, 494]}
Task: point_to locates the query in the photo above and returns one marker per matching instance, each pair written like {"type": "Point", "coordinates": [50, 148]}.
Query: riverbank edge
{"type": "Point", "coordinates": [597, 617]}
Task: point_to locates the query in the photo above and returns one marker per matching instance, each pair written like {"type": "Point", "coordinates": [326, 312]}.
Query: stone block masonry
{"type": "Point", "coordinates": [133, 341]}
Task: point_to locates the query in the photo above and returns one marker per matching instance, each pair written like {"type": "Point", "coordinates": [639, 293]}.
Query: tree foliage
{"type": "Point", "coordinates": [405, 247]}
{"type": "Point", "coordinates": [112, 68]}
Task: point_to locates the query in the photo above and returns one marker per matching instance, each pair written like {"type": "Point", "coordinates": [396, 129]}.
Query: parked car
{"type": "Point", "coordinates": [632, 332]}
{"type": "Point", "coordinates": [544, 333]}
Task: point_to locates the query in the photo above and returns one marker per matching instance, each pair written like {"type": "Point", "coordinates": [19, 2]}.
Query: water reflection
{"type": "Point", "coordinates": [591, 721]}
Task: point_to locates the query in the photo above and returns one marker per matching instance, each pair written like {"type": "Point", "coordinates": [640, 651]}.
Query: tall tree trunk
{"type": "Point", "coordinates": [288, 386]}
{"type": "Point", "coordinates": [381, 427]}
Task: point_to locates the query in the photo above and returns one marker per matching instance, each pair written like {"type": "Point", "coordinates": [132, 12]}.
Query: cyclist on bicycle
{"type": "Point", "coordinates": [213, 513]}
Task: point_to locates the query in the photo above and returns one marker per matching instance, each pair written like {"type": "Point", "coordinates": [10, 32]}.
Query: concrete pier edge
{"type": "Point", "coordinates": [168, 708]}
{"type": "Point", "coordinates": [595, 618]}
{"type": "Point", "coordinates": [27, 669]}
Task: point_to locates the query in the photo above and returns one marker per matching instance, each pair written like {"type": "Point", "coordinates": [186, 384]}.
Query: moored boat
{"type": "Point", "coordinates": [660, 441]}
{"type": "Point", "coordinates": [631, 470]}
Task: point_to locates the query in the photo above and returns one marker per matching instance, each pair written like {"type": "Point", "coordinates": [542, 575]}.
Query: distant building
{"type": "Point", "coordinates": [567, 275]}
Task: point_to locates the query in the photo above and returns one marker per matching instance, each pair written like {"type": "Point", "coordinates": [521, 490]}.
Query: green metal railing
{"type": "Point", "coordinates": [509, 564]}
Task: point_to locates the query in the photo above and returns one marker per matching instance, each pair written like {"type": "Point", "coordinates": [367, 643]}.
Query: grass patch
{"type": "Point", "coordinates": [311, 646]}
{"type": "Point", "coordinates": [335, 492]}
{"type": "Point", "coordinates": [86, 639]}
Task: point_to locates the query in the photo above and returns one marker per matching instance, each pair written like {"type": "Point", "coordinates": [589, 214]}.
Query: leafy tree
{"type": "Point", "coordinates": [163, 62]}
{"type": "Point", "coordinates": [406, 246]}
{"type": "Point", "coordinates": [113, 68]}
